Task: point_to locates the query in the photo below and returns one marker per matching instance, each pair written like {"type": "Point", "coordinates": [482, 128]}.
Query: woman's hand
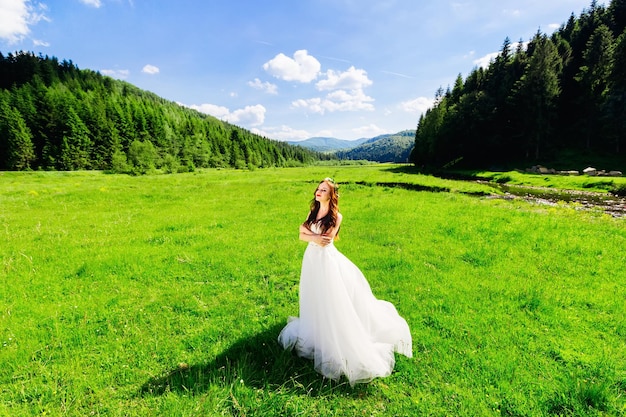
{"type": "Point", "coordinates": [323, 240]}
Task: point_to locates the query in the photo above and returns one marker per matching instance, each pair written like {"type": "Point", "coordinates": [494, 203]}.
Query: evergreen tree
{"type": "Point", "coordinates": [79, 119]}
{"type": "Point", "coordinates": [594, 77]}
{"type": "Point", "coordinates": [15, 139]}
{"type": "Point", "coordinates": [617, 13]}
{"type": "Point", "coordinates": [537, 92]}
{"type": "Point", "coordinates": [616, 97]}
{"type": "Point", "coordinates": [76, 143]}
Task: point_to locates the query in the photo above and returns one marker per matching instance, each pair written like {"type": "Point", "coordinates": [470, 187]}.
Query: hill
{"type": "Point", "coordinates": [55, 116]}
{"type": "Point", "coordinates": [384, 148]}
{"type": "Point", "coordinates": [324, 144]}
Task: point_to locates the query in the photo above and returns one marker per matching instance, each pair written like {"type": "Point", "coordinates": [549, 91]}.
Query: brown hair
{"type": "Point", "coordinates": [330, 220]}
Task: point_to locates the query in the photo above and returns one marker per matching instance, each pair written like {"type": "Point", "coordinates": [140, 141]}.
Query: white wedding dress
{"type": "Point", "coordinates": [342, 327]}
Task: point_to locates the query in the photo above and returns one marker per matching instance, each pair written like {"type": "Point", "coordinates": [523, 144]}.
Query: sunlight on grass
{"type": "Point", "coordinates": [164, 295]}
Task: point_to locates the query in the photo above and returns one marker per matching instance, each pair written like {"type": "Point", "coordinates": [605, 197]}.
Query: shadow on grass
{"type": "Point", "coordinates": [412, 186]}
{"type": "Point", "coordinates": [464, 175]}
{"type": "Point", "coordinates": [257, 361]}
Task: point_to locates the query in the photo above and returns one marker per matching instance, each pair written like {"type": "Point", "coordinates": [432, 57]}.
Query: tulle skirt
{"type": "Point", "coordinates": [342, 327]}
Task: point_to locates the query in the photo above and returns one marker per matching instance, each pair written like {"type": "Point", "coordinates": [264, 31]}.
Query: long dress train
{"type": "Point", "coordinates": [342, 326]}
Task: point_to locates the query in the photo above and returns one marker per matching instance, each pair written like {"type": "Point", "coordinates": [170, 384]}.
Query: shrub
{"type": "Point", "coordinates": [619, 190]}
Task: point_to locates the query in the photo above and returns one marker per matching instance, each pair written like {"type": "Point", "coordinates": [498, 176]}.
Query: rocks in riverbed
{"type": "Point", "coordinates": [590, 171]}
{"type": "Point", "coordinates": [601, 173]}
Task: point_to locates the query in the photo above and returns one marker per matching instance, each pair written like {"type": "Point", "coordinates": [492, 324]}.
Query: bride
{"type": "Point", "coordinates": [342, 327]}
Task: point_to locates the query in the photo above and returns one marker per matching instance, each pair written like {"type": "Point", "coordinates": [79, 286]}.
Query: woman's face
{"type": "Point", "coordinates": [322, 194]}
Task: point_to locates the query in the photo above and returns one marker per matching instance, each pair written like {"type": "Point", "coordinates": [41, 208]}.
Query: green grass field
{"type": "Point", "coordinates": [163, 295]}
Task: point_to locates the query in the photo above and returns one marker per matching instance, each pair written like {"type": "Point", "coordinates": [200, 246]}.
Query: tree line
{"type": "Point", "coordinates": [55, 116]}
{"type": "Point", "coordinates": [385, 148]}
{"type": "Point", "coordinates": [536, 101]}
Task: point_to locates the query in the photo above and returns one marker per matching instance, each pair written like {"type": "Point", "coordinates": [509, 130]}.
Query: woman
{"type": "Point", "coordinates": [342, 327]}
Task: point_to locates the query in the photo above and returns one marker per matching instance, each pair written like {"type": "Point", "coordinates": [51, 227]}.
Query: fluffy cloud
{"type": "Point", "coordinates": [121, 74]}
{"type": "Point", "coordinates": [346, 93]}
{"type": "Point", "coordinates": [370, 130]}
{"type": "Point", "coordinates": [150, 69]}
{"type": "Point", "coordinates": [418, 105]}
{"type": "Point", "coordinates": [352, 79]}
{"type": "Point", "coordinates": [16, 17]}
{"type": "Point", "coordinates": [282, 133]}
{"type": "Point", "coordinates": [485, 60]}
{"type": "Point", "coordinates": [248, 116]}
{"type": "Point", "coordinates": [303, 67]}
{"type": "Point", "coordinates": [264, 86]}
{"type": "Point", "coordinates": [340, 100]}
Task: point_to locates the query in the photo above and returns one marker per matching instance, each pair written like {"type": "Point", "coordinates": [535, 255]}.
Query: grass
{"type": "Point", "coordinates": [581, 182]}
{"type": "Point", "coordinates": [164, 295]}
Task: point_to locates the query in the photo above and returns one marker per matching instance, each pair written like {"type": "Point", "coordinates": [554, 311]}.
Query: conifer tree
{"type": "Point", "coordinates": [15, 139]}
{"type": "Point", "coordinates": [594, 79]}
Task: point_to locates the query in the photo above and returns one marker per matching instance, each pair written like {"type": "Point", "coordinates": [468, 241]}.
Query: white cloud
{"type": "Point", "coordinates": [16, 17]}
{"type": "Point", "coordinates": [264, 86]}
{"type": "Point", "coordinates": [282, 133]}
{"type": "Point", "coordinates": [121, 74]}
{"type": "Point", "coordinates": [93, 3]}
{"type": "Point", "coordinates": [340, 100]}
{"type": "Point", "coordinates": [303, 67]}
{"type": "Point", "coordinates": [220, 112]}
{"type": "Point", "coordinates": [485, 60]}
{"type": "Point", "coordinates": [352, 79]}
{"type": "Point", "coordinates": [346, 93]}
{"type": "Point", "coordinates": [150, 69]}
{"type": "Point", "coordinates": [369, 131]}
{"type": "Point", "coordinates": [554, 26]}
{"type": "Point", "coordinates": [418, 105]}
{"type": "Point", "coordinates": [38, 42]}
{"type": "Point", "coordinates": [350, 100]}
{"type": "Point", "coordinates": [248, 116]}
{"type": "Point", "coordinates": [313, 104]}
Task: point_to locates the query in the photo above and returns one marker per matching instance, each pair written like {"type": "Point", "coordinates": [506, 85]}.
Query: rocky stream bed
{"type": "Point", "coordinates": [583, 200]}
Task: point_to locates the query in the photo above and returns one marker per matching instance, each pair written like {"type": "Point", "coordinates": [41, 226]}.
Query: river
{"type": "Point", "coordinates": [584, 200]}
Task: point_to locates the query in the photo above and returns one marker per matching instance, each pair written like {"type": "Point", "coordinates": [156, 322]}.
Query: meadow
{"type": "Point", "coordinates": [163, 295]}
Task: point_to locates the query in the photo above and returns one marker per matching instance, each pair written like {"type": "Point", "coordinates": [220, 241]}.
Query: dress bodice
{"type": "Point", "coordinates": [317, 228]}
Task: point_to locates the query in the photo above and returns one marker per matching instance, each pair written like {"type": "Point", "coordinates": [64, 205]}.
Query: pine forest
{"type": "Point", "coordinates": [55, 116]}
{"type": "Point", "coordinates": [542, 100]}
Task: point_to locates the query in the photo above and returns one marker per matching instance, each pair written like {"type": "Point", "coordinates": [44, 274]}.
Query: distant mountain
{"type": "Point", "coordinates": [322, 144]}
{"type": "Point", "coordinates": [384, 148]}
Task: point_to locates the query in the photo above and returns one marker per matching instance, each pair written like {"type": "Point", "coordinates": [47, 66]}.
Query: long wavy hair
{"type": "Point", "coordinates": [330, 220]}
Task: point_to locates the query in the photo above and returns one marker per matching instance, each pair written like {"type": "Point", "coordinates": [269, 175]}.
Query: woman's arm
{"type": "Point", "coordinates": [321, 239]}
{"type": "Point", "coordinates": [332, 232]}
{"type": "Point", "coordinates": [308, 236]}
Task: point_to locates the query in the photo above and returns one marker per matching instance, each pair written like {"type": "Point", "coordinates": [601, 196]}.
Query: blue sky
{"type": "Point", "coordinates": [287, 69]}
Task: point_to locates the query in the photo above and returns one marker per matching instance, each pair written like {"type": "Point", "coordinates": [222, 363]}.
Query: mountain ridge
{"type": "Point", "coordinates": [328, 144]}
{"type": "Point", "coordinates": [389, 147]}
